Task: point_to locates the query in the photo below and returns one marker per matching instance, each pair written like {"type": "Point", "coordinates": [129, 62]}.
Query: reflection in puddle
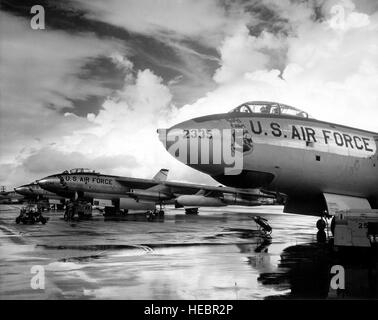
{"type": "Point", "coordinates": [306, 271]}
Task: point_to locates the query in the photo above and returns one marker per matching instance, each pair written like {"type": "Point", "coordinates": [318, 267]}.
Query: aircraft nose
{"type": "Point", "coordinates": [174, 137]}
{"type": "Point", "coordinates": [180, 132]}
{"type": "Point", "coordinates": [49, 183]}
{"type": "Point", "coordinates": [22, 190]}
{"type": "Point", "coordinates": [198, 143]}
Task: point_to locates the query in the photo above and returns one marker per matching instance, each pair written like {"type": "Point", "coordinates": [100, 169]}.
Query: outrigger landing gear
{"type": "Point", "coordinates": [160, 213]}
{"type": "Point", "coordinates": [155, 214]}
{"type": "Point", "coordinates": [322, 225]}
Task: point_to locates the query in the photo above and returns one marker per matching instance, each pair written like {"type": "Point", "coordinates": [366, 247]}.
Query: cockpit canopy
{"type": "Point", "coordinates": [79, 170]}
{"type": "Point", "coordinates": [273, 108]}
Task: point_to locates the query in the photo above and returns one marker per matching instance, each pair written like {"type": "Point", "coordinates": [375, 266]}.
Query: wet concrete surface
{"type": "Point", "coordinates": [219, 254]}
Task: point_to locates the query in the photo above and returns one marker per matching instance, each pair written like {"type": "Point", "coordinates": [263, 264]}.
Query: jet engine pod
{"type": "Point", "coordinates": [132, 204]}
{"type": "Point", "coordinates": [231, 199]}
{"type": "Point", "coordinates": [199, 201]}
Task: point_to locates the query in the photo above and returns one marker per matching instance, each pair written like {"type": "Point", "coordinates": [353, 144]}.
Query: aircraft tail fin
{"type": "Point", "coordinates": [161, 175]}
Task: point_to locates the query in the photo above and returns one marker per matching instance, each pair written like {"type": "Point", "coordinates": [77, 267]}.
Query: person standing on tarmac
{"type": "Point", "coordinates": [69, 210]}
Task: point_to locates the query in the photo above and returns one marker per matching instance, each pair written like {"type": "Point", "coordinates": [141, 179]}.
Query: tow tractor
{"type": "Point", "coordinates": [31, 214]}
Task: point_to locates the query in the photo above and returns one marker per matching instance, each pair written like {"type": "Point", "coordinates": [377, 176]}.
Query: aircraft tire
{"type": "Point", "coordinates": [321, 236]}
{"type": "Point", "coordinates": [333, 225]}
{"type": "Point", "coordinates": [320, 224]}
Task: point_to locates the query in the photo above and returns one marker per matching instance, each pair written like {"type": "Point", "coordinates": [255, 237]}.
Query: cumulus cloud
{"type": "Point", "coordinates": [38, 77]}
{"type": "Point", "coordinates": [253, 53]}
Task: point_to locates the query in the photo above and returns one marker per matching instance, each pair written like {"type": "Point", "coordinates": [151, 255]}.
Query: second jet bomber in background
{"type": "Point", "coordinates": [126, 193]}
{"type": "Point", "coordinates": [33, 193]}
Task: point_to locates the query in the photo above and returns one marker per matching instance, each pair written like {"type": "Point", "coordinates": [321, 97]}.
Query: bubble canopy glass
{"type": "Point", "coordinates": [272, 108]}
{"type": "Point", "coordinates": [79, 170]}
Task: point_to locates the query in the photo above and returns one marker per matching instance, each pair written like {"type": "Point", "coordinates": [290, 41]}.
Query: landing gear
{"type": "Point", "coordinates": [69, 212]}
{"type": "Point", "coordinates": [333, 225]}
{"type": "Point", "coordinates": [191, 211]}
{"type": "Point", "coordinates": [81, 209]}
{"type": "Point", "coordinates": [322, 225]}
{"type": "Point", "coordinates": [321, 236]}
{"type": "Point", "coordinates": [155, 214]}
{"type": "Point", "coordinates": [160, 213]}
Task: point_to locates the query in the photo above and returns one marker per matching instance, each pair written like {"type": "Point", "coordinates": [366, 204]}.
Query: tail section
{"type": "Point", "coordinates": [161, 175]}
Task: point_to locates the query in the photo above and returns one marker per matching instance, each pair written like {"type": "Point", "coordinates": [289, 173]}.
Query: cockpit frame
{"type": "Point", "coordinates": [80, 170]}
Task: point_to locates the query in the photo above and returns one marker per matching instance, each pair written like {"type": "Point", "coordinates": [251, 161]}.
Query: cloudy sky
{"type": "Point", "coordinates": [91, 89]}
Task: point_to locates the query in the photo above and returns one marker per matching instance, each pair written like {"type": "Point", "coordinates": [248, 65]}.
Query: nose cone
{"type": "Point", "coordinates": [23, 190]}
{"type": "Point", "coordinates": [181, 132]}
{"type": "Point", "coordinates": [174, 139]}
{"type": "Point", "coordinates": [50, 183]}
{"type": "Point", "coordinates": [201, 143]}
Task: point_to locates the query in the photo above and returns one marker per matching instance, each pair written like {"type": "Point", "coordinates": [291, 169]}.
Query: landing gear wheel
{"type": "Point", "coordinates": [43, 220]}
{"type": "Point", "coordinates": [150, 215]}
{"type": "Point", "coordinates": [321, 225]}
{"type": "Point", "coordinates": [18, 220]}
{"type": "Point", "coordinates": [321, 236]}
{"type": "Point", "coordinates": [333, 225]}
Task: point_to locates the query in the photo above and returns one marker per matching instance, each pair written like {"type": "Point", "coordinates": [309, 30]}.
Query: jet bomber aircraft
{"type": "Point", "coordinates": [322, 167]}
{"type": "Point", "coordinates": [144, 194]}
{"type": "Point", "coordinates": [10, 197]}
{"type": "Point", "coordinates": [33, 192]}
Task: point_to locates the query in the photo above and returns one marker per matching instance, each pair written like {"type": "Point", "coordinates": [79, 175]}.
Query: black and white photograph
{"type": "Point", "coordinates": [176, 151]}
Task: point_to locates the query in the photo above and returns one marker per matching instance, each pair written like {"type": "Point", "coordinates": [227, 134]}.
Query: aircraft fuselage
{"type": "Point", "coordinates": [301, 157]}
{"type": "Point", "coordinates": [86, 185]}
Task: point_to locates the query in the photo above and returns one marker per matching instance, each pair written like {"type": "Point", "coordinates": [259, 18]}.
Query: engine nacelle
{"type": "Point", "coordinates": [199, 201]}
{"type": "Point", "coordinates": [146, 194]}
{"type": "Point", "coordinates": [132, 204]}
{"type": "Point", "coordinates": [232, 199]}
